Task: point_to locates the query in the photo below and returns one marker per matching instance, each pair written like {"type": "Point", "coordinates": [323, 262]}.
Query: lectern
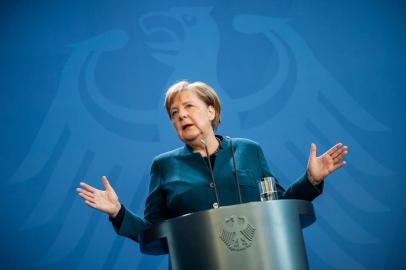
{"type": "Point", "coordinates": [255, 235]}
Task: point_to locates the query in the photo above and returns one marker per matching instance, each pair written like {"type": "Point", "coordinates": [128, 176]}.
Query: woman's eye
{"type": "Point", "coordinates": [173, 113]}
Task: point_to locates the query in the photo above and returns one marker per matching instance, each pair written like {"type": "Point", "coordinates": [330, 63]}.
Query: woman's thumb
{"type": "Point", "coordinates": [106, 183]}
{"type": "Point", "coordinates": [312, 151]}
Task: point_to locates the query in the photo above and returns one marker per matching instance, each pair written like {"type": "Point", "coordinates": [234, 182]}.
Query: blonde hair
{"type": "Point", "coordinates": [202, 90]}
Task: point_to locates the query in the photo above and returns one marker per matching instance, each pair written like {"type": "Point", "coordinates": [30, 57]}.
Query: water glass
{"type": "Point", "coordinates": [267, 189]}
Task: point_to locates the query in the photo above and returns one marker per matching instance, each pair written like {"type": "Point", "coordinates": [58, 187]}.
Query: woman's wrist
{"type": "Point", "coordinates": [314, 182]}
{"type": "Point", "coordinates": [117, 209]}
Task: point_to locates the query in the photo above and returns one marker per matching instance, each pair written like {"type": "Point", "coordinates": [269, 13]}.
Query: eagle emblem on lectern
{"type": "Point", "coordinates": [237, 233]}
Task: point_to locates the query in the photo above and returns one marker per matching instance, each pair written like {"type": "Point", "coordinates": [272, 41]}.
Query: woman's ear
{"type": "Point", "coordinates": [212, 113]}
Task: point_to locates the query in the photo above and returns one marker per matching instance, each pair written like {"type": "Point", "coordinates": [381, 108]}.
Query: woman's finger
{"type": "Point", "coordinates": [88, 187]}
{"type": "Point", "coordinates": [339, 165]}
{"type": "Point", "coordinates": [91, 204]}
{"type": "Point", "coordinates": [339, 151]}
{"type": "Point", "coordinates": [340, 156]}
{"type": "Point", "coordinates": [90, 194]}
{"type": "Point", "coordinates": [86, 197]}
{"type": "Point", "coordinates": [331, 151]}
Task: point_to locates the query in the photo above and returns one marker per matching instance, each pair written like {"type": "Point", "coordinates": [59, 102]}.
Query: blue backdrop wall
{"type": "Point", "coordinates": [82, 87]}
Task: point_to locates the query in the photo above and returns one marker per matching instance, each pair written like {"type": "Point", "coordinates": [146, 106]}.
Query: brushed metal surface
{"type": "Point", "coordinates": [255, 235]}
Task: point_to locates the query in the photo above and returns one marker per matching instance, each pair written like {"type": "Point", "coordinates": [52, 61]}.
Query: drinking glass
{"type": "Point", "coordinates": [267, 189]}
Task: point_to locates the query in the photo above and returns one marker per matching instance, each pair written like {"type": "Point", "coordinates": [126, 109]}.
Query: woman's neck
{"type": "Point", "coordinates": [210, 141]}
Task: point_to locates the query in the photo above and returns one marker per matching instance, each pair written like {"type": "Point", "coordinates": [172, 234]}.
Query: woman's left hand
{"type": "Point", "coordinates": [320, 167]}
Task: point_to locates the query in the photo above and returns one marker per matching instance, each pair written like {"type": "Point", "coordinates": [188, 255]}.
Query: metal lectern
{"type": "Point", "coordinates": [255, 235]}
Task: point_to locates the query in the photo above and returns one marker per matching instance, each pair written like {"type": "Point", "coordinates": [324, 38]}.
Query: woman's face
{"type": "Point", "coordinates": [191, 117]}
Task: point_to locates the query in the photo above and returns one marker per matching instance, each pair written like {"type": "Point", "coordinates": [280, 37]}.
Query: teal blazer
{"type": "Point", "coordinates": [180, 184]}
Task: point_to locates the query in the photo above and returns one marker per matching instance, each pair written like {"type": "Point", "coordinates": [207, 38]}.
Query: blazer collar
{"type": "Point", "coordinates": [224, 144]}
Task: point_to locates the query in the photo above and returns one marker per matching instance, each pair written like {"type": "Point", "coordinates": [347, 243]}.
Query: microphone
{"type": "Point", "coordinates": [237, 179]}
{"type": "Point", "coordinates": [211, 173]}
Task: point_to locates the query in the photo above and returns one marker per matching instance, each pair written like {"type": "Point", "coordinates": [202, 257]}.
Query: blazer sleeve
{"type": "Point", "coordinates": [156, 209]}
{"type": "Point", "coordinates": [130, 225]}
{"type": "Point", "coordinates": [302, 189]}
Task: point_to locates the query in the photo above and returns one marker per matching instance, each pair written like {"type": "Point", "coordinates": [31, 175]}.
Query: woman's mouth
{"type": "Point", "coordinates": [186, 126]}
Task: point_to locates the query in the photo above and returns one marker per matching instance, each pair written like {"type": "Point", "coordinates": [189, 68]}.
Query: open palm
{"type": "Point", "coordinates": [102, 200]}
{"type": "Point", "coordinates": [320, 167]}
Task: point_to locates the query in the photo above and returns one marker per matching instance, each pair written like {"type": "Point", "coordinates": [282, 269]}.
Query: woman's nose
{"type": "Point", "coordinates": [182, 114]}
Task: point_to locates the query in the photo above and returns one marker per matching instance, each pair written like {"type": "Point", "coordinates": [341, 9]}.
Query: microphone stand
{"type": "Point", "coordinates": [211, 173]}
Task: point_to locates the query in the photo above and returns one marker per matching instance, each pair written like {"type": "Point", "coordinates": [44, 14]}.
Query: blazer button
{"type": "Point", "coordinates": [215, 205]}
{"type": "Point", "coordinates": [211, 184]}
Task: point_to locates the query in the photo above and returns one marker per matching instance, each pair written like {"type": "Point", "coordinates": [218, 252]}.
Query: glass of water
{"type": "Point", "coordinates": [267, 189]}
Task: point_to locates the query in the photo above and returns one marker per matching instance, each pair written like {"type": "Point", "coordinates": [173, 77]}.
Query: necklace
{"type": "Point", "coordinates": [218, 147]}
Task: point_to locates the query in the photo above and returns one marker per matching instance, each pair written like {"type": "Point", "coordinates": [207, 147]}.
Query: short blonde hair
{"type": "Point", "coordinates": [205, 92]}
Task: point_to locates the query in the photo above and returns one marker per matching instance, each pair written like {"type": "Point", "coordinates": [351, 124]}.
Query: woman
{"type": "Point", "coordinates": [204, 173]}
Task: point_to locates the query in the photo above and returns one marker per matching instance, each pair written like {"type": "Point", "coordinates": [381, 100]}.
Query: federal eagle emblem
{"type": "Point", "coordinates": [237, 233]}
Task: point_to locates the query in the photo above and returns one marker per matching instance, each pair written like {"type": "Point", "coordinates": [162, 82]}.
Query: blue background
{"type": "Point", "coordinates": [82, 88]}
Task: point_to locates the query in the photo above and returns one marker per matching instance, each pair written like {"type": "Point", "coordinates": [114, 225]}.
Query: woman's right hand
{"type": "Point", "coordinates": [102, 200]}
